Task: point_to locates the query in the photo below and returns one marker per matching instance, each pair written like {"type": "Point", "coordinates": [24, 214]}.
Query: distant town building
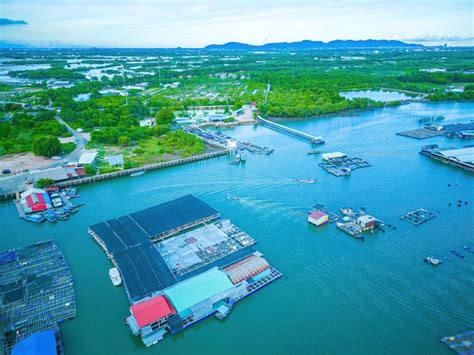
{"type": "Point", "coordinates": [116, 161]}
{"type": "Point", "coordinates": [147, 122]}
{"type": "Point", "coordinates": [87, 158]}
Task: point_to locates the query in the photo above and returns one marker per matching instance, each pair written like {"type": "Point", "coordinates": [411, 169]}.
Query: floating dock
{"type": "Point", "coordinates": [421, 133]}
{"type": "Point", "coordinates": [462, 343]}
{"type": "Point", "coordinates": [343, 165]}
{"type": "Point", "coordinates": [418, 216]}
{"type": "Point", "coordinates": [293, 132]}
{"type": "Point", "coordinates": [179, 265]}
{"type": "Point", "coordinates": [37, 292]}
{"type": "Point", "coordinates": [461, 157]}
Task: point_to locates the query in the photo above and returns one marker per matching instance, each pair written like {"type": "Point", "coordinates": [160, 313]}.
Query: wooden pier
{"type": "Point", "coordinates": [293, 132]}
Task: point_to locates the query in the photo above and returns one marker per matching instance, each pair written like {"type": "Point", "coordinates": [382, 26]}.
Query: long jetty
{"type": "Point", "coordinates": [293, 132]}
{"type": "Point", "coordinates": [127, 172]}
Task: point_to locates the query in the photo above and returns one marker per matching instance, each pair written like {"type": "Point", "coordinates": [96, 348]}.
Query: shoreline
{"type": "Point", "coordinates": [126, 172]}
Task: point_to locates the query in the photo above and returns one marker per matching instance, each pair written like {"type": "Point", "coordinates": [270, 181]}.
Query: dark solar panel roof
{"type": "Point", "coordinates": [173, 214]}
{"type": "Point", "coordinates": [143, 270]}
{"type": "Point", "coordinates": [127, 238]}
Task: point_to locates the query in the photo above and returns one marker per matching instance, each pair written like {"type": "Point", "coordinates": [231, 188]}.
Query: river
{"type": "Point", "coordinates": [337, 295]}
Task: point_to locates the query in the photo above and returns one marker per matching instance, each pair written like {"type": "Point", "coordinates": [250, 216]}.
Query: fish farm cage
{"type": "Point", "coordinates": [36, 292]}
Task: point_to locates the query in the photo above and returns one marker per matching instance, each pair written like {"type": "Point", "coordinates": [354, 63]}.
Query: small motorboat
{"type": "Point", "coordinates": [114, 275]}
{"type": "Point", "coordinates": [138, 173]}
{"type": "Point", "coordinates": [35, 217]}
{"type": "Point", "coordinates": [304, 181]}
{"type": "Point", "coordinates": [347, 211]}
{"type": "Point", "coordinates": [432, 261]}
{"type": "Point", "coordinates": [313, 152]}
{"type": "Point", "coordinates": [234, 198]}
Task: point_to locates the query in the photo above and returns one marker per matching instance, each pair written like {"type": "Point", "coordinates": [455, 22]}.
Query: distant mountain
{"type": "Point", "coordinates": [307, 45]}
{"type": "Point", "coordinates": [4, 44]}
{"type": "Point", "coordinates": [9, 22]}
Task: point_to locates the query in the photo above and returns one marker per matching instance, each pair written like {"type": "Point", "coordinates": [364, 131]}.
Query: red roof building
{"type": "Point", "coordinates": [318, 217]}
{"type": "Point", "coordinates": [151, 310]}
{"type": "Point", "coordinates": [35, 200]}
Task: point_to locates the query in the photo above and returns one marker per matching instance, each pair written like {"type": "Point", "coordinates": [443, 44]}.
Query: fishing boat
{"type": "Point", "coordinates": [346, 211]}
{"type": "Point", "coordinates": [138, 173]}
{"type": "Point", "coordinates": [114, 275]}
{"type": "Point", "coordinates": [236, 160]}
{"type": "Point", "coordinates": [304, 181]}
{"type": "Point", "coordinates": [50, 216]}
{"type": "Point", "coordinates": [432, 261]}
{"type": "Point", "coordinates": [35, 217]}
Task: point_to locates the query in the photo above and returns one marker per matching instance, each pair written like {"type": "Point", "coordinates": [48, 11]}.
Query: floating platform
{"type": "Point", "coordinates": [187, 274]}
{"type": "Point", "coordinates": [36, 289]}
{"type": "Point", "coordinates": [343, 166]}
{"type": "Point", "coordinates": [462, 343]}
{"type": "Point", "coordinates": [421, 133]}
{"type": "Point", "coordinates": [418, 216]}
{"type": "Point", "coordinates": [461, 157]}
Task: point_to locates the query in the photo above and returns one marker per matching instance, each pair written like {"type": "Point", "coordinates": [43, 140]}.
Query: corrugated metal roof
{"type": "Point", "coordinates": [115, 160]}
{"type": "Point", "coordinates": [465, 155]}
{"type": "Point", "coordinates": [197, 289]}
{"type": "Point", "coordinates": [151, 310]}
{"type": "Point", "coordinates": [87, 158]}
{"type": "Point", "coordinates": [246, 268]}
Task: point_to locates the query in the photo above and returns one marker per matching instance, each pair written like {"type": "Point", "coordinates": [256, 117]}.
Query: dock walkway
{"type": "Point", "coordinates": [293, 132]}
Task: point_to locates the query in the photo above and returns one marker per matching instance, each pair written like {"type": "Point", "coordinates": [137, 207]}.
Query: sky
{"type": "Point", "coordinates": [187, 23]}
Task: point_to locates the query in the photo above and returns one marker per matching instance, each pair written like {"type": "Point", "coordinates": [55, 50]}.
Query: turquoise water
{"type": "Point", "coordinates": [338, 295]}
{"type": "Point", "coordinates": [377, 95]}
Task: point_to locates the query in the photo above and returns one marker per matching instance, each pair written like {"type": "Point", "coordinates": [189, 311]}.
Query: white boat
{"type": "Point", "coordinates": [138, 173]}
{"type": "Point", "coordinates": [114, 275]}
{"type": "Point", "coordinates": [304, 181]}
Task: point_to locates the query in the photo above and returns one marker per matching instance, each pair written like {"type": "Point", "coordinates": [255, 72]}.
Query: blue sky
{"type": "Point", "coordinates": [186, 23]}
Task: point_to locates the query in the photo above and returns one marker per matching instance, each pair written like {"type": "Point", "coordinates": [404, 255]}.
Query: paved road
{"type": "Point", "coordinates": [19, 181]}
{"type": "Point", "coordinates": [78, 139]}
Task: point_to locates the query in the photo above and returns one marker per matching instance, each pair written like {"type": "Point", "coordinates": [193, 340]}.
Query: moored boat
{"type": "Point", "coordinates": [114, 275]}
{"type": "Point", "coordinates": [138, 173]}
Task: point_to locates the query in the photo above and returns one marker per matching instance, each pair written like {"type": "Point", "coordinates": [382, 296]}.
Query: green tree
{"type": "Point", "coordinates": [123, 141]}
{"type": "Point", "coordinates": [46, 146]}
{"type": "Point", "coordinates": [165, 116]}
{"type": "Point", "coordinates": [90, 170]}
{"type": "Point", "coordinates": [42, 183]}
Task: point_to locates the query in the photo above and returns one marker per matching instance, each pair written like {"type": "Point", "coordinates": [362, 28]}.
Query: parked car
{"type": "Point", "coordinates": [6, 171]}
{"type": "Point", "coordinates": [56, 157]}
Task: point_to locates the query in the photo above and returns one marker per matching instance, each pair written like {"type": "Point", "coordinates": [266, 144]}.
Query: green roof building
{"type": "Point", "coordinates": [204, 289]}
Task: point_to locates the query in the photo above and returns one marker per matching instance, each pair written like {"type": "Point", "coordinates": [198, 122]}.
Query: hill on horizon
{"type": "Point", "coordinates": [308, 44]}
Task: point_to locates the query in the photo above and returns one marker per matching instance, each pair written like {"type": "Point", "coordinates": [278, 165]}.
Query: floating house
{"type": "Point", "coordinates": [461, 157]}
{"type": "Point", "coordinates": [180, 264]}
{"type": "Point", "coordinates": [35, 200]}
{"type": "Point", "coordinates": [334, 155]}
{"type": "Point", "coordinates": [318, 218]}
{"type": "Point", "coordinates": [366, 221]}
